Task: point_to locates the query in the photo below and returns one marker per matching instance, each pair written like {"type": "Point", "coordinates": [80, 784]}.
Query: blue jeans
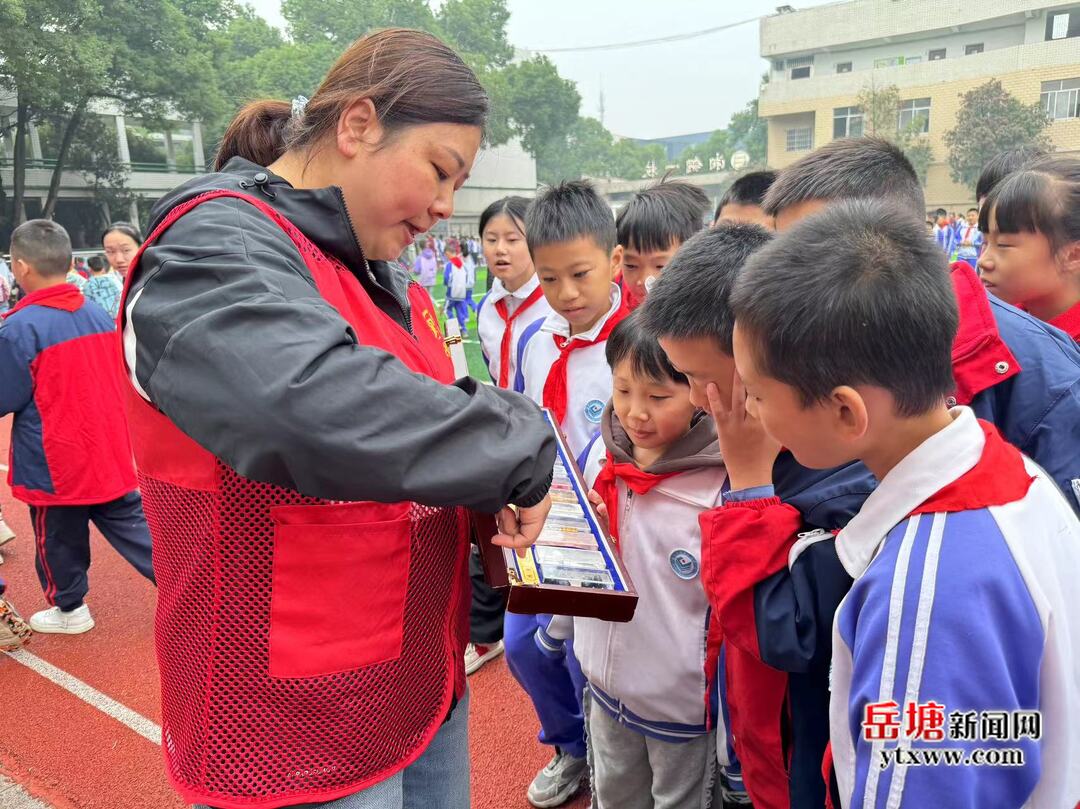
{"type": "Point", "coordinates": [439, 779]}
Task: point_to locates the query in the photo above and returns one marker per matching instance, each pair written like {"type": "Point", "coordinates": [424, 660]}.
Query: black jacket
{"type": "Point", "coordinates": [235, 345]}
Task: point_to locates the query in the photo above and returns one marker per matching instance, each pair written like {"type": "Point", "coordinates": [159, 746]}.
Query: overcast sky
{"type": "Point", "coordinates": [673, 88]}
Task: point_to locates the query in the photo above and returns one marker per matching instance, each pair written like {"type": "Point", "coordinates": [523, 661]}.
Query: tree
{"type": "Point", "coordinates": [541, 104]}
{"type": "Point", "coordinates": [61, 56]}
{"type": "Point", "coordinates": [881, 118]}
{"type": "Point", "coordinates": [342, 21]}
{"type": "Point", "coordinates": [749, 132]}
{"type": "Point", "coordinates": [991, 120]}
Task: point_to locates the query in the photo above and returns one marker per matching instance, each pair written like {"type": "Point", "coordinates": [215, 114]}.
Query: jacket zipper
{"type": "Point", "coordinates": [624, 520]}
{"type": "Point", "coordinates": [406, 313]}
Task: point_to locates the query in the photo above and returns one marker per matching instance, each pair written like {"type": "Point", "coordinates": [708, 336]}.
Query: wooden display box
{"type": "Point", "coordinates": [582, 591]}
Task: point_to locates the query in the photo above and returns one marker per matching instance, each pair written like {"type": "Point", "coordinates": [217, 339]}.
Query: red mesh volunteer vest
{"type": "Point", "coordinates": [307, 648]}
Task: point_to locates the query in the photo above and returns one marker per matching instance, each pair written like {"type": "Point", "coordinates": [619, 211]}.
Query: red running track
{"type": "Point", "coordinates": [72, 755]}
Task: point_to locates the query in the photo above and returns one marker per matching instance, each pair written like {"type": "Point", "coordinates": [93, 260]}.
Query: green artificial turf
{"type": "Point", "coordinates": [477, 368]}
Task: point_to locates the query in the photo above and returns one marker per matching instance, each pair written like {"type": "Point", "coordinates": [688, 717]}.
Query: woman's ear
{"type": "Point", "coordinates": [851, 415]}
{"type": "Point", "coordinates": [358, 128]}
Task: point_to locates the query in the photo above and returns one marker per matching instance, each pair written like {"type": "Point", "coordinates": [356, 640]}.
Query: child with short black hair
{"type": "Point", "coordinates": [775, 647]}
{"type": "Point", "coordinates": [572, 240]}
{"type": "Point", "coordinates": [1012, 369]}
{"type": "Point", "coordinates": [963, 558]}
{"type": "Point", "coordinates": [58, 351]}
{"type": "Point", "coordinates": [561, 365]}
{"type": "Point", "coordinates": [969, 239]}
{"type": "Point", "coordinates": [104, 286]}
{"type": "Point", "coordinates": [1032, 257]}
{"type": "Point", "coordinates": [650, 228]}
{"type": "Point", "coordinates": [848, 168]}
{"type": "Point", "coordinates": [655, 468]}
{"type": "Point", "coordinates": [743, 200]}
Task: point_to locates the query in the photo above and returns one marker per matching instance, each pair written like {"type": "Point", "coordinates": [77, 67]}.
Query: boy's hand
{"type": "Point", "coordinates": [748, 451]}
{"type": "Point", "coordinates": [600, 507]}
{"type": "Point", "coordinates": [520, 528]}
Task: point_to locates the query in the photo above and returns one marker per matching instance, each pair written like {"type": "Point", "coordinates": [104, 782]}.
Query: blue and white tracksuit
{"type": "Point", "coordinates": [974, 610]}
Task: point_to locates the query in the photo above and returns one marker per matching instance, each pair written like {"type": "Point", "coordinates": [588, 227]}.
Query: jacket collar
{"type": "Point", "coordinates": [62, 296]}
{"type": "Point", "coordinates": [930, 467]}
{"type": "Point", "coordinates": [557, 324]}
{"type": "Point", "coordinates": [1069, 322]}
{"type": "Point", "coordinates": [498, 291]}
{"type": "Point", "coordinates": [980, 358]}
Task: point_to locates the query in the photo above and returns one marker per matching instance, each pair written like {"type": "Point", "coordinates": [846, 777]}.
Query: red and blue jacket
{"type": "Point", "coordinates": [61, 379]}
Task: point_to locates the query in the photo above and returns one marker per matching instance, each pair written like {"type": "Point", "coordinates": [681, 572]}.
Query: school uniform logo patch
{"type": "Point", "coordinates": [594, 411]}
{"type": "Point", "coordinates": [684, 563]}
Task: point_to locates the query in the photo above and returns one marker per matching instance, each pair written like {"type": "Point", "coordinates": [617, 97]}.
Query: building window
{"type": "Point", "coordinates": [937, 54]}
{"type": "Point", "coordinates": [1061, 99]}
{"type": "Point", "coordinates": [843, 67]}
{"type": "Point", "coordinates": [915, 115]}
{"type": "Point", "coordinates": [912, 60]}
{"type": "Point", "coordinates": [800, 139]}
{"type": "Point", "coordinates": [970, 50]}
{"type": "Point", "coordinates": [892, 61]}
{"type": "Point", "coordinates": [847, 122]}
{"type": "Point", "coordinates": [1063, 24]}
{"type": "Point", "coordinates": [799, 68]}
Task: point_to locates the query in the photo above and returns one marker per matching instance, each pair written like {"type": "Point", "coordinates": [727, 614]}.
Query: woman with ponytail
{"type": "Point", "coordinates": [305, 455]}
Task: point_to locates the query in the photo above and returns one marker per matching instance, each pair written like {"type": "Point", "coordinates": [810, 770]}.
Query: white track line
{"type": "Point", "coordinates": [90, 695]}
{"type": "Point", "coordinates": [13, 796]}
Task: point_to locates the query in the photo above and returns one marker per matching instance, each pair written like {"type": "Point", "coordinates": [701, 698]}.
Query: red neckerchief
{"type": "Point", "coordinates": [978, 350]}
{"type": "Point", "coordinates": [636, 480]}
{"type": "Point", "coordinates": [456, 261]}
{"type": "Point", "coordinates": [508, 320]}
{"type": "Point", "coordinates": [632, 301]}
{"type": "Point", "coordinates": [1069, 322]}
{"type": "Point", "coordinates": [998, 478]}
{"type": "Point", "coordinates": [555, 385]}
{"type": "Point", "coordinates": [62, 296]}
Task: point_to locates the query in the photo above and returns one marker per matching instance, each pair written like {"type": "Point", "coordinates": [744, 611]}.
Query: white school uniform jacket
{"type": "Point", "coordinates": [490, 326]}
{"type": "Point", "coordinates": [976, 610]}
{"type": "Point", "coordinates": [588, 377]}
{"type": "Point", "coordinates": [649, 674]}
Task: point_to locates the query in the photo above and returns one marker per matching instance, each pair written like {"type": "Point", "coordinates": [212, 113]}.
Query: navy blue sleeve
{"type": "Point", "coordinates": [18, 388]}
{"type": "Point", "coordinates": [794, 607]}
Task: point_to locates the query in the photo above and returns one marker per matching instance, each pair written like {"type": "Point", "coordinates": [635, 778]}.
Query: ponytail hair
{"type": "Point", "coordinates": [411, 77]}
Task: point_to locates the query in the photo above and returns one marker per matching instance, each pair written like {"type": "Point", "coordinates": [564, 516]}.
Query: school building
{"type": "Point", "coordinates": [822, 58]}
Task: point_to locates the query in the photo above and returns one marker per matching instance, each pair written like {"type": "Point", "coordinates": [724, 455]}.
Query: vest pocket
{"type": "Point", "coordinates": [340, 578]}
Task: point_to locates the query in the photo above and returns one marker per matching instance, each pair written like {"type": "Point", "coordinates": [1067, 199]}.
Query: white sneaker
{"type": "Point", "coordinates": [477, 654]}
{"type": "Point", "coordinates": [6, 534]}
{"type": "Point", "coordinates": [63, 623]}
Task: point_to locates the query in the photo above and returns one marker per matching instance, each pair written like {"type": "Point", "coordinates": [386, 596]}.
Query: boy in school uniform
{"type": "Point", "coordinates": [58, 356]}
{"type": "Point", "coordinates": [793, 584]}
{"type": "Point", "coordinates": [774, 672]}
{"type": "Point", "coordinates": [969, 239]}
{"type": "Point", "coordinates": [655, 467]}
{"type": "Point", "coordinates": [651, 227]}
{"type": "Point", "coordinates": [963, 558]}
{"type": "Point", "coordinates": [562, 366]}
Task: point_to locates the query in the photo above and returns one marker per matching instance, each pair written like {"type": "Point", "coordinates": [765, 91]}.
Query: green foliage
{"type": "Point", "coordinates": [541, 104]}
{"type": "Point", "coordinates": [991, 120]}
{"type": "Point", "coordinates": [881, 118]}
{"type": "Point", "coordinates": [748, 131]}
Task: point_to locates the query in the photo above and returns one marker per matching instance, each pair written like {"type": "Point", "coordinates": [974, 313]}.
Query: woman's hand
{"type": "Point", "coordinates": [519, 528]}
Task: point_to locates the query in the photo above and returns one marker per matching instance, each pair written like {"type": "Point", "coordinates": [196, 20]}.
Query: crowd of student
{"type": "Point", "coordinates": [842, 477]}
